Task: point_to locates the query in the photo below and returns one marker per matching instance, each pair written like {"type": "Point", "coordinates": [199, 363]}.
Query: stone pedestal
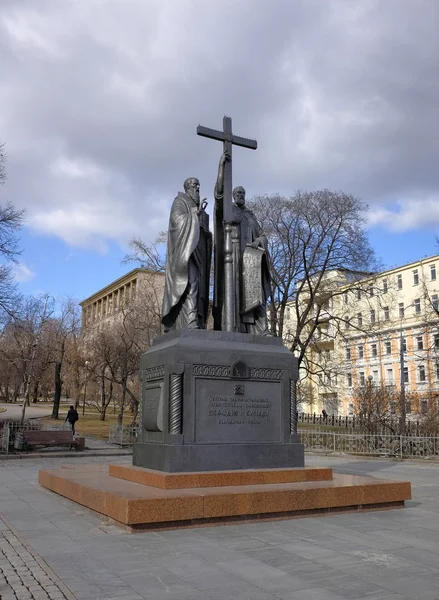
{"type": "Point", "coordinates": [215, 400]}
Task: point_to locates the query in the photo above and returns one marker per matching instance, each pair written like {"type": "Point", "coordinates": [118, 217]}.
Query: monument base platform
{"type": "Point", "coordinates": [221, 457]}
{"type": "Point", "coordinates": [121, 494]}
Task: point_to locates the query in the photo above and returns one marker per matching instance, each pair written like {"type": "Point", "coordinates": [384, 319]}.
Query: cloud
{"type": "Point", "coordinates": [22, 273]}
{"type": "Point", "coordinates": [416, 213]}
{"type": "Point", "coordinates": [99, 103]}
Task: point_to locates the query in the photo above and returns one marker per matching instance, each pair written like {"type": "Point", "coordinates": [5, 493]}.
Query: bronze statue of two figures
{"type": "Point", "coordinates": [241, 273]}
{"type": "Point", "coordinates": [223, 399]}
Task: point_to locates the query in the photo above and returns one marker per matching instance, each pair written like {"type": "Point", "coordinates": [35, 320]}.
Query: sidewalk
{"type": "Point", "coordinates": [387, 555]}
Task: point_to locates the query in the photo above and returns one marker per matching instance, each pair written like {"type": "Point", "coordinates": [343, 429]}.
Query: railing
{"type": "Point", "coordinates": [370, 444]}
{"type": "Point", "coordinates": [4, 439]}
{"type": "Point", "coordinates": [124, 436]}
{"type": "Point", "coordinates": [10, 429]}
{"type": "Point", "coordinates": [356, 422]}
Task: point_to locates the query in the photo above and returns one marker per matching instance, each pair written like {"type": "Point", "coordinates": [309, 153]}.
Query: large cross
{"type": "Point", "coordinates": [226, 136]}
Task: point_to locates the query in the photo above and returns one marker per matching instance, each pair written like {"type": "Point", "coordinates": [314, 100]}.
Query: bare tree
{"type": "Point", "coordinates": [11, 221]}
{"type": "Point", "coordinates": [313, 236]}
{"type": "Point", "coordinates": [114, 349]}
{"type": "Point", "coordinates": [148, 255]}
{"type": "Point", "coordinates": [2, 163]}
{"type": "Point", "coordinates": [65, 327]}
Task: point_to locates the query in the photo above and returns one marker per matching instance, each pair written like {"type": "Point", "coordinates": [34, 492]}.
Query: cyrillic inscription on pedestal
{"type": "Point", "coordinates": [237, 411]}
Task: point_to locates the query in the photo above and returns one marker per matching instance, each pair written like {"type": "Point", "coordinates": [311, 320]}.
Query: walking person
{"type": "Point", "coordinates": [72, 417]}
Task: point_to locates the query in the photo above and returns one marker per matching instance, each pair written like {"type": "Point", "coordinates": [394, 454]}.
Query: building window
{"type": "Point", "coordinates": [345, 296]}
{"type": "Point", "coordinates": [350, 409]}
{"type": "Point", "coordinates": [372, 317]}
{"type": "Point", "coordinates": [437, 371]}
{"type": "Point", "coordinates": [287, 312]}
{"type": "Point", "coordinates": [399, 281]}
{"type": "Point", "coordinates": [433, 272]}
{"type": "Point", "coordinates": [371, 290]}
{"type": "Point", "coordinates": [360, 319]}
{"type": "Point", "coordinates": [386, 313]}
{"type": "Point", "coordinates": [361, 378]}
{"type": "Point", "coordinates": [348, 354]}
{"type": "Point", "coordinates": [389, 375]}
{"type": "Point", "coordinates": [417, 304]}
{"type": "Point", "coordinates": [375, 376]}
{"type": "Point", "coordinates": [388, 345]}
{"type": "Point", "coordinates": [360, 351]}
{"type": "Point", "coordinates": [347, 323]}
{"type": "Point", "coordinates": [420, 342]}
{"type": "Point", "coordinates": [436, 340]}
{"type": "Point", "coordinates": [415, 277]}
{"type": "Point", "coordinates": [403, 345]}
{"type": "Point", "coordinates": [434, 302]}
{"type": "Point", "coordinates": [358, 294]}
{"type": "Point", "coordinates": [373, 350]}
{"type": "Point", "coordinates": [406, 374]}
{"type": "Point", "coordinates": [424, 406]}
{"type": "Point", "coordinates": [385, 287]}
{"type": "Point", "coordinates": [421, 373]}
{"type": "Point", "coordinates": [349, 380]}
{"type": "Point", "coordinates": [408, 407]}
{"type": "Point", "coordinates": [401, 309]}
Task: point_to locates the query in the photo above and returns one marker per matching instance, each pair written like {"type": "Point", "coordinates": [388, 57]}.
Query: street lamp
{"type": "Point", "coordinates": [85, 387]}
{"type": "Point", "coordinates": [369, 390]}
{"type": "Point", "coordinates": [402, 383]}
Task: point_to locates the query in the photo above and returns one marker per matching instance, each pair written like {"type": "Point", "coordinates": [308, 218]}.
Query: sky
{"type": "Point", "coordinates": [100, 99]}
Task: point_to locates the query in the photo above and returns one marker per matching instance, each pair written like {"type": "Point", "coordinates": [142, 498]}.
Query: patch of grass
{"type": "Point", "coordinates": [88, 425]}
{"type": "Point", "coordinates": [2, 410]}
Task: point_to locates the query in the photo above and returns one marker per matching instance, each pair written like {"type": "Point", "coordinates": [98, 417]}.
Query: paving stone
{"type": "Point", "coordinates": [389, 555]}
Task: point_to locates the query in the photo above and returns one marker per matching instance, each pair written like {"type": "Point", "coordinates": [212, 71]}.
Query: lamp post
{"type": "Point", "coordinates": [369, 394]}
{"type": "Point", "coordinates": [85, 386]}
{"type": "Point", "coordinates": [403, 406]}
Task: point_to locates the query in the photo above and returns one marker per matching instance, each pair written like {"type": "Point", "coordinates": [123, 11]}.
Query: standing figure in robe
{"type": "Point", "coordinates": [186, 294]}
{"type": "Point", "coordinates": [246, 233]}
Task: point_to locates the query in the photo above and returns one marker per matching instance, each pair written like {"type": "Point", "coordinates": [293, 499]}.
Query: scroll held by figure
{"type": "Point", "coordinates": [186, 293]}
{"type": "Point", "coordinates": [250, 261]}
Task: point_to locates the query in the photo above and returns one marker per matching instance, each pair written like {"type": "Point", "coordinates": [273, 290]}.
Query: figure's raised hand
{"type": "Point", "coordinates": [225, 157]}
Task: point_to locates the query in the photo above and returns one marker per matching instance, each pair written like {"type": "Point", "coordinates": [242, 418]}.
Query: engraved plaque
{"type": "Point", "coordinates": [252, 278]}
{"type": "Point", "coordinates": [152, 406]}
{"type": "Point", "coordinates": [223, 415]}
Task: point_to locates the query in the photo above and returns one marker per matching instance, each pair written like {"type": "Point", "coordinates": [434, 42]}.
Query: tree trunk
{"type": "Point", "coordinates": [122, 403]}
{"type": "Point", "coordinates": [58, 386]}
{"type": "Point", "coordinates": [58, 382]}
{"type": "Point", "coordinates": [106, 403]}
{"type": "Point", "coordinates": [35, 392]}
{"type": "Point", "coordinates": [134, 405]}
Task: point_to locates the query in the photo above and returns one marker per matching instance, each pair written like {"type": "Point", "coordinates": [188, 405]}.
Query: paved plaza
{"type": "Point", "coordinates": [49, 543]}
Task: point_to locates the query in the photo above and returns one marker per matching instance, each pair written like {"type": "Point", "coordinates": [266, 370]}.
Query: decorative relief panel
{"type": "Point", "coordinates": [154, 373]}
{"type": "Point", "coordinates": [272, 374]}
{"type": "Point", "coordinates": [211, 371]}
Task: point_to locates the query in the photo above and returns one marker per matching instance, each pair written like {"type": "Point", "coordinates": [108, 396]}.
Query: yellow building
{"type": "Point", "coordinates": [358, 341]}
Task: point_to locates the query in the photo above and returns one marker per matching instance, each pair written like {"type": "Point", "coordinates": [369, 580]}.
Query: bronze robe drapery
{"type": "Point", "coordinates": [245, 231]}
{"type": "Point", "coordinates": [186, 294]}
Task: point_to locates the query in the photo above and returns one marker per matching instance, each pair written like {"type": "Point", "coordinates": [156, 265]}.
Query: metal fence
{"type": "Point", "coordinates": [358, 423]}
{"type": "Point", "coordinates": [124, 436]}
{"type": "Point", "coordinates": [10, 429]}
{"type": "Point", "coordinates": [368, 444]}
